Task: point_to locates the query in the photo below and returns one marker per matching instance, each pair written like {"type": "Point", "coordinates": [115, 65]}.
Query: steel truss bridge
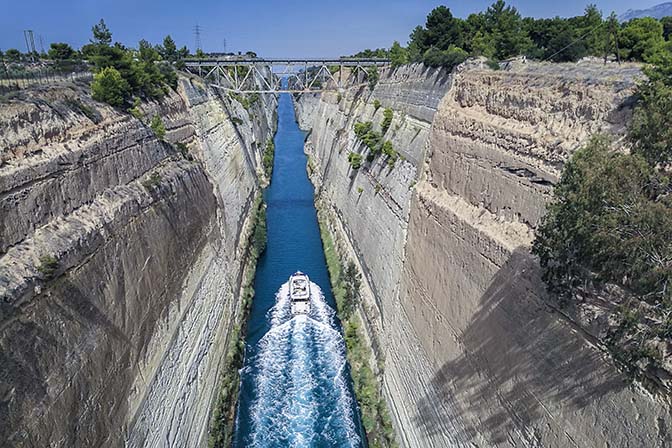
{"type": "Point", "coordinates": [254, 75]}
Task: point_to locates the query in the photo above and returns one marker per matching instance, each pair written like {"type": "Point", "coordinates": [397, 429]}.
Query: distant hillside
{"type": "Point", "coordinates": [658, 11]}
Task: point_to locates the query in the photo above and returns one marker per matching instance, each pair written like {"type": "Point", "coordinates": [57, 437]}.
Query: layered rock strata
{"type": "Point", "coordinates": [474, 352]}
{"type": "Point", "coordinates": [120, 262]}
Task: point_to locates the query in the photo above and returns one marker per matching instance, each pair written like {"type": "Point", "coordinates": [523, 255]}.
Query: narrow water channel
{"type": "Point", "coordinates": [296, 388]}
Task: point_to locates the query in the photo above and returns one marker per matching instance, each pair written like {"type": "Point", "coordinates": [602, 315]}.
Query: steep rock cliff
{"type": "Point", "coordinates": [120, 263]}
{"type": "Point", "coordinates": [474, 352]}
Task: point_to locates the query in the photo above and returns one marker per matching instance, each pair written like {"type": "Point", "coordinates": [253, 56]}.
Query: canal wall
{"type": "Point", "coordinates": [121, 259]}
{"type": "Point", "coordinates": [474, 352]}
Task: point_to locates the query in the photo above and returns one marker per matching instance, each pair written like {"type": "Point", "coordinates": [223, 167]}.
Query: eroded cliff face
{"type": "Point", "coordinates": [474, 352]}
{"type": "Point", "coordinates": [120, 263]}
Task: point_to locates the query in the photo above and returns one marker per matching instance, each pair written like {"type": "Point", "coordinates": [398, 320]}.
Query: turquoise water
{"type": "Point", "coordinates": [296, 389]}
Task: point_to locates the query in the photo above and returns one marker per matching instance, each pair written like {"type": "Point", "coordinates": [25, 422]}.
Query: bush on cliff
{"type": "Point", "coordinates": [109, 87]}
{"type": "Point", "coordinates": [388, 114]}
{"type": "Point", "coordinates": [611, 218]}
{"type": "Point", "coordinates": [611, 221]}
{"type": "Point", "coordinates": [355, 160]}
{"type": "Point", "coordinates": [158, 127]}
{"type": "Point", "coordinates": [269, 154]}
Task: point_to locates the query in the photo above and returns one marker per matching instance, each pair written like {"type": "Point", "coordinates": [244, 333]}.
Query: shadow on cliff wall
{"type": "Point", "coordinates": [518, 365]}
{"type": "Point", "coordinates": [48, 376]}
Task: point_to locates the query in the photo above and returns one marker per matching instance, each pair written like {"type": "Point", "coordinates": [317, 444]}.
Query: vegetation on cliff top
{"type": "Point", "coordinates": [500, 32]}
{"type": "Point", "coordinates": [121, 73]}
{"type": "Point", "coordinates": [345, 284]}
{"type": "Point", "coordinates": [223, 415]}
{"type": "Point", "coordinates": [611, 222]}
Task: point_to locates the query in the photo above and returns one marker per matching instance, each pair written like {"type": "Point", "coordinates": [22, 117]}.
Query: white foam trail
{"type": "Point", "coordinates": [303, 399]}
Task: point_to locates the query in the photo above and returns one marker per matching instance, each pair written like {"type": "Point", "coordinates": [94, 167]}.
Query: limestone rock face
{"type": "Point", "coordinates": [120, 263]}
{"type": "Point", "coordinates": [475, 354]}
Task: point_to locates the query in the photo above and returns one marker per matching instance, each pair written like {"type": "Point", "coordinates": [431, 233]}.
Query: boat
{"type": "Point", "coordinates": [299, 293]}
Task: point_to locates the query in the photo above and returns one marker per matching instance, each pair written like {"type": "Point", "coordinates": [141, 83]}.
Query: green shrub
{"type": "Point", "coordinates": [109, 87]}
{"type": "Point", "coordinates": [376, 104]}
{"type": "Point", "coordinates": [237, 121]}
{"type": "Point", "coordinates": [355, 160]}
{"type": "Point", "coordinates": [152, 181]}
{"type": "Point", "coordinates": [373, 76]}
{"type": "Point", "coordinates": [135, 110]}
{"type": "Point", "coordinates": [449, 58]}
{"type": "Point", "coordinates": [184, 150]}
{"type": "Point", "coordinates": [267, 160]}
{"type": "Point", "coordinates": [611, 220]}
{"type": "Point", "coordinates": [360, 190]}
{"type": "Point", "coordinates": [361, 129]}
{"type": "Point", "coordinates": [388, 114]}
{"type": "Point", "coordinates": [259, 237]}
{"type": "Point", "coordinates": [47, 267]}
{"type": "Point", "coordinates": [493, 64]}
{"type": "Point", "coordinates": [158, 127]}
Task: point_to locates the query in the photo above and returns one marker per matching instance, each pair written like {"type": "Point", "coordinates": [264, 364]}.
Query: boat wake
{"type": "Point", "coordinates": [302, 395]}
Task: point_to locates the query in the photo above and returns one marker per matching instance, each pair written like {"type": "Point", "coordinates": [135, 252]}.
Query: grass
{"type": "Point", "coordinates": [224, 412]}
{"type": "Point", "coordinates": [373, 408]}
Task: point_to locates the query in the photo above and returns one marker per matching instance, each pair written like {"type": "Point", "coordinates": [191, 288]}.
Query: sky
{"type": "Point", "coordinates": [286, 28]}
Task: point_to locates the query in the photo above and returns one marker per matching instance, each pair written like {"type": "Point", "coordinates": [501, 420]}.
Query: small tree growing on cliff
{"type": "Point", "coordinates": [158, 127]}
{"type": "Point", "coordinates": [109, 87]}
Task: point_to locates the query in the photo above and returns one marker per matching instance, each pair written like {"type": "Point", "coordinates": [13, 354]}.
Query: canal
{"type": "Point", "coordinates": [296, 388]}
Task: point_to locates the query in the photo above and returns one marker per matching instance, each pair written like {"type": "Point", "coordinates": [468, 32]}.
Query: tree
{"type": "Point", "coordinates": [565, 44]}
{"type": "Point", "coordinates": [61, 51]}
{"type": "Point", "coordinates": [651, 128]}
{"type": "Point", "coordinates": [183, 52]}
{"type": "Point", "coordinates": [641, 39]}
{"type": "Point", "coordinates": [13, 55]}
{"type": "Point", "coordinates": [416, 44]}
{"type": "Point", "coordinates": [109, 87]}
{"type": "Point", "coordinates": [667, 27]}
{"type": "Point", "coordinates": [101, 34]}
{"type": "Point", "coordinates": [169, 50]}
{"type": "Point", "coordinates": [443, 30]}
{"type": "Point", "coordinates": [148, 77]}
{"type": "Point", "coordinates": [398, 55]}
{"type": "Point", "coordinates": [611, 220]}
{"type": "Point", "coordinates": [505, 25]}
{"type": "Point", "coordinates": [591, 25]}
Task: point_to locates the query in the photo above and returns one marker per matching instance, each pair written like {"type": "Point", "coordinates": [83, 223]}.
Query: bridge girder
{"type": "Point", "coordinates": [267, 75]}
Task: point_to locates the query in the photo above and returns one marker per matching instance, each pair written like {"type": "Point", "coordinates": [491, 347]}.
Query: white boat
{"type": "Point", "coordinates": [299, 293]}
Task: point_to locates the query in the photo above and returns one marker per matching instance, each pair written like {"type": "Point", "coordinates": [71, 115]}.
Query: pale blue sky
{"type": "Point", "coordinates": [271, 28]}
